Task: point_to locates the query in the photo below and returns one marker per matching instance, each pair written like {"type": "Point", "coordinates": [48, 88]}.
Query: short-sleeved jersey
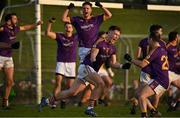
{"type": "Point", "coordinates": [8, 36]}
{"type": "Point", "coordinates": [66, 51]}
{"type": "Point", "coordinates": [158, 61]}
{"type": "Point", "coordinates": [172, 51]}
{"type": "Point", "coordinates": [144, 45]}
{"type": "Point", "coordinates": [106, 50]}
{"type": "Point", "coordinates": [87, 30]}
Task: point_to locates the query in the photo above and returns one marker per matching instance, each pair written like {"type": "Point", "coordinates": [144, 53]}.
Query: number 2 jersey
{"type": "Point", "coordinates": [158, 61]}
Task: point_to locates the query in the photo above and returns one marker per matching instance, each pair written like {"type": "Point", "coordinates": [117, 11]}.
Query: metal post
{"type": "Point", "coordinates": [37, 58]}
{"type": "Point", "coordinates": [126, 79]}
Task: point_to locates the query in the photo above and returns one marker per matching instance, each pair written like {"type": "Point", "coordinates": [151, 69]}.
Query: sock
{"type": "Point", "coordinates": [143, 114]}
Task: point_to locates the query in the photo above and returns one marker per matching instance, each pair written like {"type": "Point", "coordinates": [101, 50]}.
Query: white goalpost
{"type": "Point", "coordinates": [38, 4]}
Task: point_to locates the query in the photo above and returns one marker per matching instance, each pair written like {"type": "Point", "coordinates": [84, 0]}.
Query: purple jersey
{"type": "Point", "coordinates": [66, 51]}
{"type": "Point", "coordinates": [172, 57]}
{"type": "Point", "coordinates": [87, 29]}
{"type": "Point", "coordinates": [8, 36]}
{"type": "Point", "coordinates": [106, 50]}
{"type": "Point", "coordinates": [144, 45]}
{"type": "Point", "coordinates": [158, 61]}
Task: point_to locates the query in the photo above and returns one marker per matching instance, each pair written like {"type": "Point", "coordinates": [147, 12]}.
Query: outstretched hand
{"type": "Point", "coordinates": [127, 57]}
{"type": "Point", "coordinates": [97, 3]}
{"type": "Point", "coordinates": [126, 66]}
{"type": "Point", "coordinates": [52, 20]}
{"type": "Point", "coordinates": [70, 6]}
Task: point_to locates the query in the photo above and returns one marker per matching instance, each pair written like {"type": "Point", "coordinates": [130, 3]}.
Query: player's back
{"type": "Point", "coordinates": [159, 63]}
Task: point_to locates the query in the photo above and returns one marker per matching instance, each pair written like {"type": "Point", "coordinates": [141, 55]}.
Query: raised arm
{"type": "Point", "coordinates": [48, 32]}
{"type": "Point", "coordinates": [65, 17]}
{"type": "Point", "coordinates": [107, 13]}
{"type": "Point", "coordinates": [30, 26]}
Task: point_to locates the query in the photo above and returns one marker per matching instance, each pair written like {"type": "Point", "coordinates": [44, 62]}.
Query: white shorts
{"type": "Point", "coordinates": [68, 69]}
{"type": "Point", "coordinates": [83, 72]}
{"type": "Point", "coordinates": [156, 87]}
{"type": "Point", "coordinates": [173, 76]}
{"type": "Point", "coordinates": [144, 77]}
{"type": "Point", "coordinates": [103, 72]}
{"type": "Point", "coordinates": [83, 52]}
{"type": "Point", "coordinates": [6, 62]}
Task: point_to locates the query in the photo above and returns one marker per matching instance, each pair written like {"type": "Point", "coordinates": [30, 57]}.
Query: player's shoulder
{"type": "Point", "coordinates": [161, 50]}
{"type": "Point", "coordinates": [59, 34]}
{"type": "Point", "coordinates": [77, 17]}
{"type": "Point", "coordinates": [144, 40]}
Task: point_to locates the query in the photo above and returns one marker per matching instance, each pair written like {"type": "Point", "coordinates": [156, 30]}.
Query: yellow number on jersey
{"type": "Point", "coordinates": [165, 65]}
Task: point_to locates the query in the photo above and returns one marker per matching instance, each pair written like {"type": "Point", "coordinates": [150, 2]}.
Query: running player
{"type": "Point", "coordinates": [8, 33]}
{"type": "Point", "coordinates": [66, 56]}
{"type": "Point", "coordinates": [142, 52]}
{"type": "Point", "coordinates": [158, 61]}
{"type": "Point", "coordinates": [88, 69]}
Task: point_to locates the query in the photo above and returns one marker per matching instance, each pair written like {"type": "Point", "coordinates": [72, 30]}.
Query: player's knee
{"type": "Point", "coordinates": [72, 92]}
{"type": "Point", "coordinates": [101, 84]}
{"type": "Point", "coordinates": [141, 97]}
{"type": "Point", "coordinates": [109, 84]}
{"type": "Point", "coordinates": [10, 82]}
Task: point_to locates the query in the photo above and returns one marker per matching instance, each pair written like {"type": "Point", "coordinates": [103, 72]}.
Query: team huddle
{"type": "Point", "coordinates": [160, 62]}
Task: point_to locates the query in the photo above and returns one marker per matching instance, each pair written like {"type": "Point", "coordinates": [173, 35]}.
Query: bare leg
{"type": "Point", "coordinates": [76, 87]}
{"type": "Point", "coordinates": [9, 72]}
{"type": "Point", "coordinates": [57, 87]}
{"type": "Point", "coordinates": [108, 84]}
{"type": "Point", "coordinates": [144, 94]}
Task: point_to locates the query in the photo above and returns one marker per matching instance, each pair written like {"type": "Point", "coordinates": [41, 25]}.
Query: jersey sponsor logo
{"type": "Point", "coordinates": [12, 37]}
{"type": "Point", "coordinates": [68, 44]}
{"type": "Point", "coordinates": [87, 27]}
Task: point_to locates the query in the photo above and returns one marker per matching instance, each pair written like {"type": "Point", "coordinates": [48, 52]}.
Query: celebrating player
{"type": "Point", "coordinates": [8, 42]}
{"type": "Point", "coordinates": [87, 26]}
{"type": "Point", "coordinates": [87, 72]}
{"type": "Point", "coordinates": [66, 56]}
{"type": "Point", "coordinates": [158, 61]}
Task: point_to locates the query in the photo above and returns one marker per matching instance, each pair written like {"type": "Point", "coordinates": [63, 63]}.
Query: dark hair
{"type": "Point", "coordinates": [154, 28]}
{"type": "Point", "coordinates": [172, 36]}
{"type": "Point", "coordinates": [87, 3]}
{"type": "Point", "coordinates": [155, 36]}
{"type": "Point", "coordinates": [112, 28]}
{"type": "Point", "coordinates": [101, 33]}
{"type": "Point", "coordinates": [9, 16]}
{"type": "Point", "coordinates": [66, 23]}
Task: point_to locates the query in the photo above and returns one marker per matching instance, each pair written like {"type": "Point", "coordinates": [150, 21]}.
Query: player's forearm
{"type": "Point", "coordinates": [5, 45]}
{"type": "Point", "coordinates": [48, 29]}
{"type": "Point", "coordinates": [116, 65]}
{"type": "Point", "coordinates": [107, 13]}
{"type": "Point", "coordinates": [65, 17]}
{"type": "Point", "coordinates": [137, 63]}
